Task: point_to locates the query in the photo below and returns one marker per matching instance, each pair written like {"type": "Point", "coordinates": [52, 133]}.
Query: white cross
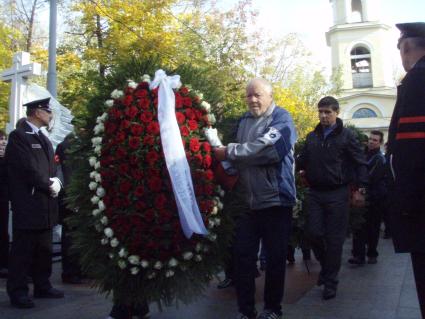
{"type": "Point", "coordinates": [18, 74]}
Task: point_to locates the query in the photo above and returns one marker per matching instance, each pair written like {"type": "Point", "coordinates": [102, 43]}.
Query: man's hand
{"type": "Point", "coordinates": [220, 153]}
{"type": "Point", "coordinates": [55, 187]}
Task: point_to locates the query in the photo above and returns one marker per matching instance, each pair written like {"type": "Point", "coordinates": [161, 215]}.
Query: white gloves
{"type": "Point", "coordinates": [212, 136]}
{"type": "Point", "coordinates": [55, 187]}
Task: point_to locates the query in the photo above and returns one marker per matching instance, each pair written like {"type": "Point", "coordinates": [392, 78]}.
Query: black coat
{"type": "Point", "coordinates": [406, 147]}
{"type": "Point", "coordinates": [30, 164]}
{"type": "Point", "coordinates": [329, 162]}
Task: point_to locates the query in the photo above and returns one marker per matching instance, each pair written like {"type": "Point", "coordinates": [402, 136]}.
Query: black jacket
{"type": "Point", "coordinates": [406, 148]}
{"type": "Point", "coordinates": [30, 164]}
{"type": "Point", "coordinates": [329, 162]}
{"type": "Point", "coordinates": [376, 167]}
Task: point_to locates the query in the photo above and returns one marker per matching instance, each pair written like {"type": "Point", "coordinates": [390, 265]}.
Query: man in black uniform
{"type": "Point", "coordinates": [326, 160]}
{"type": "Point", "coordinates": [368, 234]}
{"type": "Point", "coordinates": [406, 148]}
{"type": "Point", "coordinates": [34, 188]}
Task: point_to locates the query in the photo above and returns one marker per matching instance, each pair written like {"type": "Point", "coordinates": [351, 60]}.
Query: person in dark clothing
{"type": "Point", "coordinates": [33, 190]}
{"type": "Point", "coordinates": [368, 234]}
{"type": "Point", "coordinates": [4, 210]}
{"type": "Point", "coordinates": [71, 272]}
{"type": "Point", "coordinates": [327, 159]}
{"type": "Point", "coordinates": [406, 145]}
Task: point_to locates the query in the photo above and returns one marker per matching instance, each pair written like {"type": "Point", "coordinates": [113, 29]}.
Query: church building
{"type": "Point", "coordinates": [361, 49]}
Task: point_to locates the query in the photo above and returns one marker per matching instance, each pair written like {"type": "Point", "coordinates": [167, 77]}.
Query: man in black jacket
{"type": "Point", "coordinates": [330, 153]}
{"type": "Point", "coordinates": [406, 145]}
{"type": "Point", "coordinates": [33, 189]}
{"type": "Point", "coordinates": [368, 234]}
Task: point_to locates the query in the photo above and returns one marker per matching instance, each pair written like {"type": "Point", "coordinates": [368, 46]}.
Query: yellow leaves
{"type": "Point", "coordinates": [304, 116]}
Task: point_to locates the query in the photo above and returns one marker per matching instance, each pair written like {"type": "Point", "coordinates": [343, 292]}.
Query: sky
{"type": "Point", "coordinates": [310, 19]}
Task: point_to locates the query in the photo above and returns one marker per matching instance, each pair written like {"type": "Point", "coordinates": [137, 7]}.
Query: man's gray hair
{"type": "Point", "coordinates": [266, 84]}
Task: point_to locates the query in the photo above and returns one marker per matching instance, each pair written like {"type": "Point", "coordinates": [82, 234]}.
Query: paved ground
{"type": "Point", "coordinates": [382, 291]}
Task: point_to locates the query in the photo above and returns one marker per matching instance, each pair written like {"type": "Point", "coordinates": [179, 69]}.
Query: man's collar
{"type": "Point", "coordinates": [266, 113]}
{"type": "Point", "coordinates": [35, 129]}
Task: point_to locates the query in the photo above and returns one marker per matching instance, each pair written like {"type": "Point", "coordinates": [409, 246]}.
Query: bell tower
{"type": "Point", "coordinates": [360, 47]}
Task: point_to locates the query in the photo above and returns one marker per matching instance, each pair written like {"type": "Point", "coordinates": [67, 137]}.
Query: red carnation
{"type": "Point", "coordinates": [124, 168]}
{"type": "Point", "coordinates": [134, 142]}
{"type": "Point", "coordinates": [184, 90]}
{"type": "Point", "coordinates": [207, 161]}
{"type": "Point", "coordinates": [133, 159]}
{"type": "Point", "coordinates": [146, 117]}
{"type": "Point", "coordinates": [115, 113]}
{"type": "Point", "coordinates": [155, 184]}
{"type": "Point", "coordinates": [193, 125]}
{"type": "Point", "coordinates": [110, 127]}
{"type": "Point", "coordinates": [153, 128]}
{"type": "Point", "coordinates": [125, 186]}
{"type": "Point", "coordinates": [184, 131]}
{"type": "Point", "coordinates": [121, 152]}
{"type": "Point", "coordinates": [152, 157]}
{"type": "Point", "coordinates": [139, 191]}
{"type": "Point", "coordinates": [137, 174]}
{"type": "Point", "coordinates": [136, 129]}
{"type": "Point", "coordinates": [179, 101]}
{"type": "Point", "coordinates": [149, 140]}
{"type": "Point", "coordinates": [180, 117]}
{"type": "Point", "coordinates": [141, 93]}
{"type": "Point", "coordinates": [149, 215]}
{"type": "Point", "coordinates": [144, 103]}
{"type": "Point", "coordinates": [190, 114]}
{"type": "Point", "coordinates": [206, 146]}
{"type": "Point", "coordinates": [194, 145]}
{"type": "Point", "coordinates": [187, 101]}
{"type": "Point", "coordinates": [131, 112]}
{"type": "Point", "coordinates": [120, 137]}
{"type": "Point", "coordinates": [140, 205]}
{"type": "Point", "coordinates": [152, 171]}
{"type": "Point", "coordinates": [198, 114]}
{"type": "Point", "coordinates": [209, 189]}
{"type": "Point", "coordinates": [198, 159]}
{"type": "Point", "coordinates": [157, 232]}
{"type": "Point", "coordinates": [128, 99]}
{"type": "Point", "coordinates": [125, 124]}
{"type": "Point", "coordinates": [209, 175]}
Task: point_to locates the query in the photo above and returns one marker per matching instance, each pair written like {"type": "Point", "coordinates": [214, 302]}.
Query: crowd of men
{"type": "Point", "coordinates": [337, 169]}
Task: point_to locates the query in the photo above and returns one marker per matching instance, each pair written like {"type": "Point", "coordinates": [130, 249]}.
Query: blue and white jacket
{"type": "Point", "coordinates": [264, 157]}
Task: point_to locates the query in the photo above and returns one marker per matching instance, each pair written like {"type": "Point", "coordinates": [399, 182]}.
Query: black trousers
{"type": "Point", "coordinates": [31, 253]}
{"type": "Point", "coordinates": [368, 235]}
{"type": "Point", "coordinates": [418, 262]}
{"type": "Point", "coordinates": [273, 226]}
{"type": "Point", "coordinates": [326, 228]}
{"type": "Point", "coordinates": [4, 234]}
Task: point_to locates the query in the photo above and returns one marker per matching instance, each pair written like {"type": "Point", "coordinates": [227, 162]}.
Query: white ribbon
{"type": "Point", "coordinates": [175, 155]}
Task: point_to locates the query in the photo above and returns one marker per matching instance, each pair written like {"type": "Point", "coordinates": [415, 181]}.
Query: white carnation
{"type": "Point", "coordinates": [109, 103]}
{"type": "Point", "coordinates": [92, 161]}
{"type": "Point", "coordinates": [122, 252]}
{"type": "Point", "coordinates": [108, 232]}
{"type": "Point", "coordinates": [100, 192]}
{"type": "Point", "coordinates": [104, 220]}
{"type": "Point", "coordinates": [92, 186]}
{"type": "Point", "coordinates": [211, 223]}
{"type": "Point", "coordinates": [97, 177]}
{"type": "Point", "coordinates": [104, 241]}
{"type": "Point", "coordinates": [95, 200]}
{"type": "Point", "coordinates": [173, 262]}
{"type": "Point", "coordinates": [114, 242]}
{"type": "Point", "coordinates": [157, 265]}
{"type": "Point", "coordinates": [198, 258]}
{"type": "Point", "coordinates": [98, 149]}
{"type": "Point", "coordinates": [111, 255]}
{"type": "Point", "coordinates": [169, 273]}
{"type": "Point", "coordinates": [134, 270]}
{"type": "Point", "coordinates": [122, 264]}
{"type": "Point", "coordinates": [144, 263]}
{"type": "Point", "coordinates": [211, 118]}
{"type": "Point", "coordinates": [146, 78]}
{"type": "Point", "coordinates": [93, 174]}
{"type": "Point", "coordinates": [132, 84]}
{"type": "Point", "coordinates": [97, 165]}
{"type": "Point", "coordinates": [134, 260]}
{"type": "Point", "coordinates": [99, 128]}
{"type": "Point", "coordinates": [116, 94]}
{"type": "Point", "coordinates": [95, 212]}
{"type": "Point", "coordinates": [218, 221]}
{"type": "Point", "coordinates": [101, 206]}
{"type": "Point", "coordinates": [198, 247]}
{"type": "Point", "coordinates": [206, 106]}
{"type": "Point", "coordinates": [187, 255]}
{"type": "Point", "coordinates": [96, 140]}
{"type": "Point", "coordinates": [212, 236]}
{"type": "Point", "coordinates": [151, 275]}
{"type": "Point", "coordinates": [220, 205]}
{"type": "Point", "coordinates": [214, 210]}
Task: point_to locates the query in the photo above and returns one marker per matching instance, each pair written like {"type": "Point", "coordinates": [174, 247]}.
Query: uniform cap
{"type": "Point", "coordinates": [411, 30]}
{"type": "Point", "coordinates": [39, 104]}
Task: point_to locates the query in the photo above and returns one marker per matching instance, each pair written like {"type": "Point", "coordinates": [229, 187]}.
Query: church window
{"type": "Point", "coordinates": [361, 67]}
{"type": "Point", "coordinates": [364, 113]}
{"type": "Point", "coordinates": [356, 11]}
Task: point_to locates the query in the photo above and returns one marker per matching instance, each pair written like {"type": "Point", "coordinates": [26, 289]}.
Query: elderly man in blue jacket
{"type": "Point", "coordinates": [263, 155]}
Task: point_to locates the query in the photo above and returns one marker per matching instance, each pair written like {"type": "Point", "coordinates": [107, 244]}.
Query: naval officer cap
{"type": "Point", "coordinates": [411, 30]}
{"type": "Point", "coordinates": [39, 104]}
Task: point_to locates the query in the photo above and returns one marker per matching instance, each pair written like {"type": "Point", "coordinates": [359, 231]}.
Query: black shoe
{"type": "Point", "coordinates": [51, 293]}
{"type": "Point", "coordinates": [72, 280]}
{"type": "Point", "coordinates": [270, 314]}
{"type": "Point", "coordinates": [329, 293]}
{"type": "Point", "coordinates": [372, 260]}
{"type": "Point", "coordinates": [227, 282]}
{"type": "Point", "coordinates": [356, 261]}
{"type": "Point", "coordinates": [22, 302]}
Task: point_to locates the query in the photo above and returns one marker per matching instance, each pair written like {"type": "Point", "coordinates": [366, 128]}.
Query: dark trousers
{"type": "Point", "coordinates": [31, 253]}
{"type": "Point", "coordinates": [4, 234]}
{"type": "Point", "coordinates": [326, 228]}
{"type": "Point", "coordinates": [368, 234]}
{"type": "Point", "coordinates": [273, 226]}
{"type": "Point", "coordinates": [418, 262]}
